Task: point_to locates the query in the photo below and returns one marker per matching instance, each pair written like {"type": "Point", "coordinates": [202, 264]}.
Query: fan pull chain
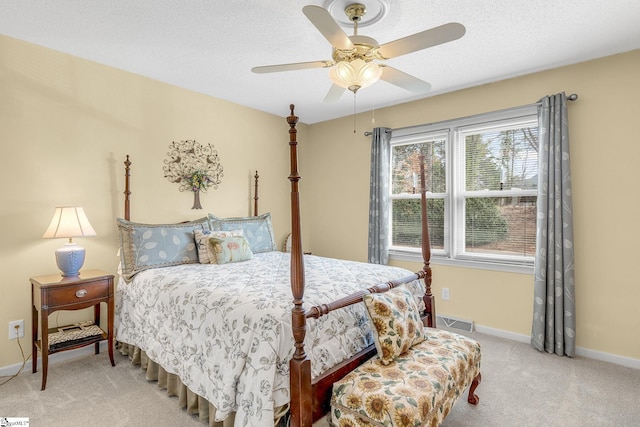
{"type": "Point", "coordinates": [354, 112]}
{"type": "Point", "coordinates": [373, 116]}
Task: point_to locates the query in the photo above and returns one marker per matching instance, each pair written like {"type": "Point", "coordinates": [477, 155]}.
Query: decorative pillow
{"type": "Point", "coordinates": [212, 221]}
{"type": "Point", "coordinates": [205, 252]}
{"type": "Point", "coordinates": [396, 322]}
{"type": "Point", "coordinates": [257, 229]}
{"type": "Point", "coordinates": [145, 246]}
{"type": "Point", "coordinates": [230, 249]}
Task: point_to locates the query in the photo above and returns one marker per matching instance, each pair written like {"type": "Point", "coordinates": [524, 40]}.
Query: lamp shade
{"type": "Point", "coordinates": [69, 222]}
{"type": "Point", "coordinates": [355, 74]}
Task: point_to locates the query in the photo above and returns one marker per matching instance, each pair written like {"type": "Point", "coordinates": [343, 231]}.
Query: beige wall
{"type": "Point", "coordinates": [65, 127]}
{"type": "Point", "coordinates": [66, 124]}
{"type": "Point", "coordinates": [605, 154]}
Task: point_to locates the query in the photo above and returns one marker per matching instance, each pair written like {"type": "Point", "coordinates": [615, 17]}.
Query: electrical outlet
{"type": "Point", "coordinates": [445, 294]}
{"type": "Point", "coordinates": [16, 329]}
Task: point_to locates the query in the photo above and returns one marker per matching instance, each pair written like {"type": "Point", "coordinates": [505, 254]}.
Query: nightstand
{"type": "Point", "coordinates": [54, 292]}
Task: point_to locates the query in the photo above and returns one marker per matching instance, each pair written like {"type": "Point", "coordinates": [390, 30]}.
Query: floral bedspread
{"type": "Point", "coordinates": [225, 330]}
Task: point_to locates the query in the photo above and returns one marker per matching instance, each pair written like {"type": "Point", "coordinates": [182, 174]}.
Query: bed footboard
{"type": "Point", "coordinates": [310, 401]}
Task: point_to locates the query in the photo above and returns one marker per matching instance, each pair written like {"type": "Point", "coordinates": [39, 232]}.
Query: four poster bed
{"type": "Point", "coordinates": [227, 337]}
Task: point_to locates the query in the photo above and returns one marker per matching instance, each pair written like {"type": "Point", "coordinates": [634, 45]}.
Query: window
{"type": "Point", "coordinates": [481, 177]}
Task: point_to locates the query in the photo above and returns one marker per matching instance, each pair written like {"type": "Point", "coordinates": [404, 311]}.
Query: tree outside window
{"type": "Point", "coordinates": [481, 181]}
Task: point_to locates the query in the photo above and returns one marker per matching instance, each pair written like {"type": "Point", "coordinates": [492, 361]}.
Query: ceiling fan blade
{"type": "Point", "coordinates": [422, 40]}
{"type": "Point", "coordinates": [334, 94]}
{"type": "Point", "coordinates": [288, 67]}
{"type": "Point", "coordinates": [404, 80]}
{"type": "Point", "coordinates": [328, 27]}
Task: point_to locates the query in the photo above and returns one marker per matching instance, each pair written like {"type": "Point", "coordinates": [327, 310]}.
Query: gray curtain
{"type": "Point", "coordinates": [379, 196]}
{"type": "Point", "coordinates": [554, 310]}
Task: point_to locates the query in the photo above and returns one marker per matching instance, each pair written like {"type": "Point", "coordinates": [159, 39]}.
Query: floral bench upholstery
{"type": "Point", "coordinates": [417, 376]}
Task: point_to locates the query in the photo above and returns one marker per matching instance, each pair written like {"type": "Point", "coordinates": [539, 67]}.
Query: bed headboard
{"type": "Point", "coordinates": [127, 190]}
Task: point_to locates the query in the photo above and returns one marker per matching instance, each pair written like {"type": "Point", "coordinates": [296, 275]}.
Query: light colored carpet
{"type": "Point", "coordinates": [520, 387]}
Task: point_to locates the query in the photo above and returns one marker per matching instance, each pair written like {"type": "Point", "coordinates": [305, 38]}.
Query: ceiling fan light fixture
{"type": "Point", "coordinates": [356, 74]}
{"type": "Point", "coordinates": [357, 61]}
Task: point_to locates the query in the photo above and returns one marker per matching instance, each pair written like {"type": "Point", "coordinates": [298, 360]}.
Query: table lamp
{"type": "Point", "coordinates": [69, 221]}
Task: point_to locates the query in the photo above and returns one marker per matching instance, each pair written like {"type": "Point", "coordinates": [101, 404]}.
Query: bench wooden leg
{"type": "Point", "coordinates": [473, 398]}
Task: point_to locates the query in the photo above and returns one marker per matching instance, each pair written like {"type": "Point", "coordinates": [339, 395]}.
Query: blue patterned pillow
{"type": "Point", "coordinates": [257, 229]}
{"type": "Point", "coordinates": [144, 246]}
{"type": "Point", "coordinates": [213, 221]}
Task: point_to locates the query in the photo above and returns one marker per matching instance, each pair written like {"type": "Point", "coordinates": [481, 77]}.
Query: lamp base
{"type": "Point", "coordinates": [70, 259]}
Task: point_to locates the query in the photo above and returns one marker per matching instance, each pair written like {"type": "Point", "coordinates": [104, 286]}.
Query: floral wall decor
{"type": "Point", "coordinates": [195, 167]}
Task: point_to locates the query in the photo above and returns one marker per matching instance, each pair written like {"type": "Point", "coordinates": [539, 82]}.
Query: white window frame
{"type": "Point", "coordinates": [453, 252]}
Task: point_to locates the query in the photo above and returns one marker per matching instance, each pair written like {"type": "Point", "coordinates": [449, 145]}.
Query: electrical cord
{"type": "Point", "coordinates": [8, 378]}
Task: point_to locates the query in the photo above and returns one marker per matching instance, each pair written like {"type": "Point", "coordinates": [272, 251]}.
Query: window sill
{"type": "Point", "coordinates": [443, 260]}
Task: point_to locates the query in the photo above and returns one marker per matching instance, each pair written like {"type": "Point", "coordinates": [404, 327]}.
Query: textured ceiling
{"type": "Point", "coordinates": [211, 46]}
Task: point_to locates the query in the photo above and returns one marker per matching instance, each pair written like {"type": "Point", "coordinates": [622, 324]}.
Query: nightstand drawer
{"type": "Point", "coordinates": [77, 294]}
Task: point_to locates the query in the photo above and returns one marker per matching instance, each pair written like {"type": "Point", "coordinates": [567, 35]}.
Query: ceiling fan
{"type": "Point", "coordinates": [358, 61]}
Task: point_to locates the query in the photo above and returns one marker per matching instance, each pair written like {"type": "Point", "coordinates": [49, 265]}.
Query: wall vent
{"type": "Point", "coordinates": [452, 322]}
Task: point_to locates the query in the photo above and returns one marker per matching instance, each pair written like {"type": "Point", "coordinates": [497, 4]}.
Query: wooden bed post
{"type": "Point", "coordinates": [127, 191]}
{"type": "Point", "coordinates": [300, 365]}
{"type": "Point", "coordinates": [429, 300]}
{"type": "Point", "coordinates": [255, 194]}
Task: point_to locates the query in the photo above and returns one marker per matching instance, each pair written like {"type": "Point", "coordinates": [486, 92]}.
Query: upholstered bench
{"type": "Point", "coordinates": [416, 377]}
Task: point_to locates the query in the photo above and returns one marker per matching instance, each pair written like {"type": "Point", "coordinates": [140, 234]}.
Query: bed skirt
{"type": "Point", "coordinates": [187, 399]}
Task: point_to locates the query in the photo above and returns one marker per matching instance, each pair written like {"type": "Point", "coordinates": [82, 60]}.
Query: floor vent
{"type": "Point", "coordinates": [452, 322]}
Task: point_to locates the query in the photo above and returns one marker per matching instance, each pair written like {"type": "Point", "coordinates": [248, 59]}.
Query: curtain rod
{"type": "Point", "coordinates": [572, 97]}
{"type": "Point", "coordinates": [369, 133]}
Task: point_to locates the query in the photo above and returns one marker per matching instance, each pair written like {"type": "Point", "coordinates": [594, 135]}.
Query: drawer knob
{"type": "Point", "coordinates": [81, 293]}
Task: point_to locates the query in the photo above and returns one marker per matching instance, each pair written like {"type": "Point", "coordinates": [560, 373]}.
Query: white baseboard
{"type": "Point", "coordinates": [583, 352]}
{"type": "Point", "coordinates": [503, 334]}
{"type": "Point", "coordinates": [629, 362]}
{"type": "Point", "coordinates": [53, 358]}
